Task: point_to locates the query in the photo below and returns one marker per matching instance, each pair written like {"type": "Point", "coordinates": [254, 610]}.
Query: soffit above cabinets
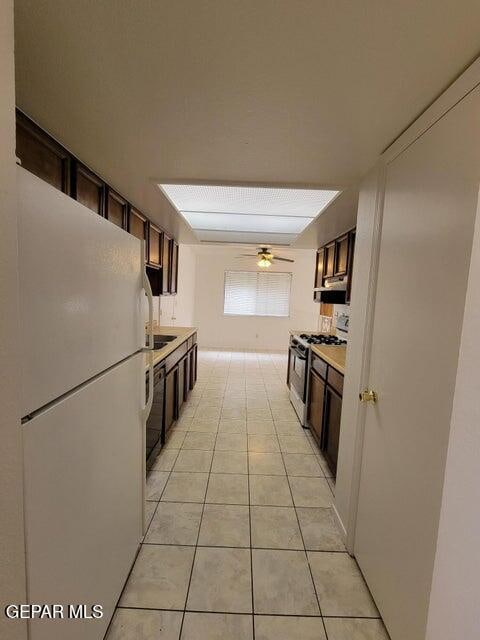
{"type": "Point", "coordinates": [247, 214]}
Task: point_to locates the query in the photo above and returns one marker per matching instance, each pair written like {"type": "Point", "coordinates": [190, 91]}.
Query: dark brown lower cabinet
{"type": "Point", "coordinates": [324, 410]}
{"type": "Point", "coordinates": [181, 383]}
{"type": "Point", "coordinates": [174, 378]}
{"type": "Point", "coordinates": [187, 375]}
{"type": "Point", "coordinates": [171, 387]}
{"type": "Point", "coordinates": [331, 431]}
{"type": "Point", "coordinates": [193, 366]}
{"type": "Point", "coordinates": [316, 405]}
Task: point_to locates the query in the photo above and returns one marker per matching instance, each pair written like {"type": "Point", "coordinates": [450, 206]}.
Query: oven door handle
{"type": "Point", "coordinates": [298, 353]}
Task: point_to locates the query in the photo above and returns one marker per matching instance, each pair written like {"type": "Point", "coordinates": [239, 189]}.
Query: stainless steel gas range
{"type": "Point", "coordinates": [298, 366]}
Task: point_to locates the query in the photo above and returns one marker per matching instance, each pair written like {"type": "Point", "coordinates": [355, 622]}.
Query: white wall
{"type": "Point", "coordinates": [12, 560]}
{"type": "Point", "coordinates": [217, 330]}
{"type": "Point", "coordinates": [455, 596]}
{"type": "Point", "coordinates": [178, 310]}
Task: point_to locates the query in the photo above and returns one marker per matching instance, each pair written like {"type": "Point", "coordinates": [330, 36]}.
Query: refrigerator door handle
{"type": "Point", "coordinates": [148, 290]}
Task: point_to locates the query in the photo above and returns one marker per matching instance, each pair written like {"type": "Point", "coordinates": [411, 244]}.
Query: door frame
{"type": "Point", "coordinates": [367, 250]}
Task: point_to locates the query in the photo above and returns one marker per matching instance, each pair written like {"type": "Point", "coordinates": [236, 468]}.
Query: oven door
{"type": "Point", "coordinates": [298, 372]}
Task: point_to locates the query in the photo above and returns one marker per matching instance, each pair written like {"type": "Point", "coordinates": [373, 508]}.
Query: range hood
{"type": "Point", "coordinates": [334, 291]}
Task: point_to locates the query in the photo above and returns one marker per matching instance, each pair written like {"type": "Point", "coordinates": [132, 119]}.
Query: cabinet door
{"type": "Point", "coordinates": [188, 363]}
{"type": "Point", "coordinates": [138, 227]}
{"type": "Point", "coordinates": [166, 261]}
{"type": "Point", "coordinates": [319, 268]}
{"type": "Point", "coordinates": [316, 405]}
{"type": "Point", "coordinates": [329, 260]}
{"type": "Point", "coordinates": [333, 414]}
{"type": "Point", "coordinates": [171, 387]}
{"type": "Point", "coordinates": [117, 209]}
{"type": "Point", "coordinates": [351, 251]}
{"type": "Point", "coordinates": [41, 155]}
{"type": "Point", "coordinates": [154, 244]}
{"type": "Point", "coordinates": [181, 383]}
{"type": "Point", "coordinates": [88, 188]}
{"type": "Point", "coordinates": [174, 268]}
{"type": "Point", "coordinates": [341, 255]}
{"type": "Point", "coordinates": [193, 366]}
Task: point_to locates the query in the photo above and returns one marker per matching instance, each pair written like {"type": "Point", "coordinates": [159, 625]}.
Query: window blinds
{"type": "Point", "coordinates": [250, 293]}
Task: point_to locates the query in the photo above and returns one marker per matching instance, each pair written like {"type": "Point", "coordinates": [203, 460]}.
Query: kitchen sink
{"type": "Point", "coordinates": [160, 341]}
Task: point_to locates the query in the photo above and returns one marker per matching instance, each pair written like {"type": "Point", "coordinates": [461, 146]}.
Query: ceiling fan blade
{"type": "Point", "coordinates": [247, 255]}
{"type": "Point", "coordinates": [283, 259]}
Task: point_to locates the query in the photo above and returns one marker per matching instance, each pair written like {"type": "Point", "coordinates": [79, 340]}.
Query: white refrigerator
{"type": "Point", "coordinates": [82, 296]}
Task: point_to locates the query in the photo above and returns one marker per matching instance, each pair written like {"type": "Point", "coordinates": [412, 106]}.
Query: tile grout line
{"type": "Point", "coordinates": [265, 615]}
{"type": "Point", "coordinates": [196, 543]}
{"type": "Point", "coordinates": [251, 541]}
{"type": "Point", "coordinates": [306, 553]}
{"type": "Point", "coordinates": [304, 548]}
{"type": "Point", "coordinates": [194, 555]}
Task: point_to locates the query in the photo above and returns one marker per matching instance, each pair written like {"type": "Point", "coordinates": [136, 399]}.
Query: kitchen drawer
{"type": "Point", "coordinates": [335, 380]}
{"type": "Point", "coordinates": [320, 366]}
{"type": "Point", "coordinates": [176, 356]}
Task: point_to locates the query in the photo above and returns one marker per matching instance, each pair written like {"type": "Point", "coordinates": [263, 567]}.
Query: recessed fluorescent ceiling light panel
{"type": "Point", "coordinates": [247, 214]}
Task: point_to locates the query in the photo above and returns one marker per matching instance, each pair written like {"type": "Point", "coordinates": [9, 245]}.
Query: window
{"type": "Point", "coordinates": [250, 293]}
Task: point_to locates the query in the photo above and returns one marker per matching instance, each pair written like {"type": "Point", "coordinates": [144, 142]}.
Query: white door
{"type": "Point", "coordinates": [80, 292]}
{"type": "Point", "coordinates": [83, 498]}
{"type": "Point", "coordinates": [429, 212]}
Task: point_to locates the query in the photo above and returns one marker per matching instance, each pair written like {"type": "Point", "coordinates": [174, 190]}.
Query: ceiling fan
{"type": "Point", "coordinates": [265, 257]}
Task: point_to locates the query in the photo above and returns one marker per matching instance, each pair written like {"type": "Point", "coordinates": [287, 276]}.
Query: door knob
{"type": "Point", "coordinates": [368, 395]}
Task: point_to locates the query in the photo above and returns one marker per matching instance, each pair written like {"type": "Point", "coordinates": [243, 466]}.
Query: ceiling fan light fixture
{"type": "Point", "coordinates": [264, 262]}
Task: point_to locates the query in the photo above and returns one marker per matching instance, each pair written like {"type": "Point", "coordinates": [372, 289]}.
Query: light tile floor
{"type": "Point", "coordinates": [241, 542]}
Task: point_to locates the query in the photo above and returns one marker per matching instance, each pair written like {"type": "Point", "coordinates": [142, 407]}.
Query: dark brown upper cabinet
{"type": "Point", "coordinates": [174, 268]}
{"type": "Point", "coordinates": [166, 263]}
{"type": "Point", "coordinates": [117, 209]}
{"type": "Point", "coordinates": [154, 246]}
{"type": "Point", "coordinates": [88, 188]}
{"type": "Point", "coordinates": [138, 227]}
{"type": "Point", "coordinates": [41, 154]}
{"type": "Point", "coordinates": [329, 262]}
{"type": "Point", "coordinates": [341, 255]}
{"type": "Point", "coordinates": [351, 251]}
{"type": "Point", "coordinates": [335, 261]}
{"type": "Point", "coordinates": [319, 268]}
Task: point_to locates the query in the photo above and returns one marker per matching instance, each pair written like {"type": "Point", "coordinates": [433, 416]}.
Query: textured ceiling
{"type": "Point", "coordinates": [265, 91]}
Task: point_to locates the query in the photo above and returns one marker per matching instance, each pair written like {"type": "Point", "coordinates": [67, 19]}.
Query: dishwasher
{"type": "Point", "coordinates": [154, 429]}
